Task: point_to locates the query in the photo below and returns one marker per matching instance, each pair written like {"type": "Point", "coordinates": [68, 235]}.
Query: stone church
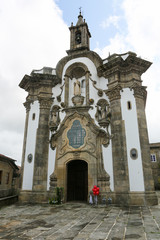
{"type": "Point", "coordinates": [86, 125]}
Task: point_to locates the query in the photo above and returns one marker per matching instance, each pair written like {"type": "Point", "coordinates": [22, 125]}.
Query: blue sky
{"type": "Point", "coordinates": [95, 12]}
{"type": "Point", "coordinates": [34, 34]}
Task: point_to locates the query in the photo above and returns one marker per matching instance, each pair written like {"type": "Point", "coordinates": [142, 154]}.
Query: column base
{"type": "Point", "coordinates": [118, 199]}
{"type": "Point", "coordinates": [133, 198]}
{"type": "Point", "coordinates": [28, 196]}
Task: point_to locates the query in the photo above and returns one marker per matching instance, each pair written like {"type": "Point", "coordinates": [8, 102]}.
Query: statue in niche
{"type": "Point", "coordinates": [54, 118]}
{"type": "Point", "coordinates": [103, 114]}
{"type": "Point", "coordinates": [77, 88]}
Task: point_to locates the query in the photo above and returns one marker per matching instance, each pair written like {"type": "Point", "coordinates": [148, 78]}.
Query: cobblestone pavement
{"type": "Point", "coordinates": [79, 221]}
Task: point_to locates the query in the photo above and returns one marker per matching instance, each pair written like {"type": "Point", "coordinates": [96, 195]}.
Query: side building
{"type": "Point", "coordinates": [155, 163]}
{"type": "Point", "coordinates": [86, 125]}
{"type": "Point", "coordinates": [9, 177]}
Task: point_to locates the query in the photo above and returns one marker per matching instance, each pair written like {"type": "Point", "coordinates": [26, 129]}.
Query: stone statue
{"type": "Point", "coordinates": [54, 118]}
{"type": "Point", "coordinates": [77, 88]}
{"type": "Point", "coordinates": [103, 112]}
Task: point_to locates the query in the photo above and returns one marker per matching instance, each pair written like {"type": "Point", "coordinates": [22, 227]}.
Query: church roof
{"type": "Point", "coordinates": [80, 20]}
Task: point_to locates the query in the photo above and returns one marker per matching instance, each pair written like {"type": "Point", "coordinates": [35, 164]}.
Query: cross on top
{"type": "Point", "coordinates": [80, 10]}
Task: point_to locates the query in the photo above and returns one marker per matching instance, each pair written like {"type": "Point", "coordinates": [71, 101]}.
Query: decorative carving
{"type": "Point", "coordinates": [76, 154]}
{"type": "Point", "coordinates": [91, 101]}
{"type": "Point", "coordinates": [53, 142]}
{"type": "Point", "coordinates": [139, 91]}
{"type": "Point", "coordinates": [78, 100]}
{"type": "Point", "coordinates": [103, 116]}
{"type": "Point", "coordinates": [27, 105]}
{"type": "Point", "coordinates": [59, 96]}
{"type": "Point", "coordinates": [100, 91]}
{"type": "Point", "coordinates": [54, 118]}
{"type": "Point", "coordinates": [53, 181]}
{"type": "Point", "coordinates": [63, 105]}
{"type": "Point", "coordinates": [45, 103]}
{"type": "Point", "coordinates": [114, 93]}
{"type": "Point", "coordinates": [106, 139]}
{"type": "Point", "coordinates": [62, 147]}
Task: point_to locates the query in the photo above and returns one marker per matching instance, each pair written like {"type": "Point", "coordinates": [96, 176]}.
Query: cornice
{"type": "Point", "coordinates": [38, 79]}
{"type": "Point", "coordinates": [117, 64]}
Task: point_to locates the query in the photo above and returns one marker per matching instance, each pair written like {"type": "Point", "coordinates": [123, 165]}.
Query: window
{"type": "Point", "coordinates": [134, 153]}
{"type": "Point", "coordinates": [7, 178]}
{"type": "Point", "coordinates": [78, 37]}
{"type": "Point", "coordinates": [129, 105]}
{"type": "Point", "coordinates": [83, 83]}
{"type": "Point", "coordinates": [153, 157]}
{"type": "Point", "coordinates": [0, 177]}
{"type": "Point", "coordinates": [33, 116]}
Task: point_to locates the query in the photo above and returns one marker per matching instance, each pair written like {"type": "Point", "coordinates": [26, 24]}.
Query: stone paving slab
{"type": "Point", "coordinates": [79, 221]}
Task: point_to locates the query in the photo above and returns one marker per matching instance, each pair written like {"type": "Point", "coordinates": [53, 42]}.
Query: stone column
{"type": "Point", "coordinates": [66, 97]}
{"type": "Point", "coordinates": [87, 87]}
{"type": "Point", "coordinates": [42, 146]}
{"type": "Point", "coordinates": [140, 97]}
{"type": "Point", "coordinates": [27, 105]}
{"type": "Point", "coordinates": [119, 150]}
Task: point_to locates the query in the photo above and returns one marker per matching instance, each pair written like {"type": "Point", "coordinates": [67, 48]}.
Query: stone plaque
{"type": "Point", "coordinates": [76, 135]}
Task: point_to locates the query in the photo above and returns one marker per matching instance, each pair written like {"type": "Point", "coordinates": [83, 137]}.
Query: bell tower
{"type": "Point", "coordinates": [80, 35]}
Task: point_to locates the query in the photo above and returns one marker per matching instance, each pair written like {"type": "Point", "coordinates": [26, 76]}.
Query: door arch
{"type": "Point", "coordinates": [77, 180]}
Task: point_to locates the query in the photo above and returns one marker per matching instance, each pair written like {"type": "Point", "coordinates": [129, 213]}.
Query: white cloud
{"type": "Point", "coordinates": [32, 36]}
{"type": "Point", "coordinates": [143, 20]}
{"type": "Point", "coordinates": [111, 20]}
{"type": "Point", "coordinates": [143, 37]}
{"type": "Point", "coordinates": [117, 44]}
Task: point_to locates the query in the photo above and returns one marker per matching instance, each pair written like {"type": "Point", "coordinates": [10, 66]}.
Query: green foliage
{"type": "Point", "coordinates": [59, 196]}
{"type": "Point", "coordinates": [59, 191]}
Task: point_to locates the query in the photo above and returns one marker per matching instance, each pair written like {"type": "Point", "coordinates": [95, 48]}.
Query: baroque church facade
{"type": "Point", "coordinates": [86, 125]}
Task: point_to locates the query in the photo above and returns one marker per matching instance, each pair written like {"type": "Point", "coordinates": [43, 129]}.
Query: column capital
{"type": "Point", "coordinates": [140, 91]}
{"type": "Point", "coordinates": [114, 93]}
{"type": "Point", "coordinates": [27, 105]}
{"type": "Point", "coordinates": [45, 103]}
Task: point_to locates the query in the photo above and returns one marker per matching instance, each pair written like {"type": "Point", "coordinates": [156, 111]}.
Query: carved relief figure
{"type": "Point", "coordinates": [54, 118]}
{"type": "Point", "coordinates": [103, 114]}
{"type": "Point", "coordinates": [77, 88]}
{"type": "Point", "coordinates": [103, 110]}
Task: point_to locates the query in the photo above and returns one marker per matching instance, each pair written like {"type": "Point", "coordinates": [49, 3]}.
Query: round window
{"type": "Point", "coordinates": [134, 153]}
{"type": "Point", "coordinates": [30, 157]}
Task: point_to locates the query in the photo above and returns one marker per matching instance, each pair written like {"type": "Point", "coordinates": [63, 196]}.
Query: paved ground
{"type": "Point", "coordinates": [79, 221]}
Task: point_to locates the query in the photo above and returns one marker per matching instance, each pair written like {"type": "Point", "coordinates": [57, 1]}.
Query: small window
{"type": "Point", "coordinates": [83, 83]}
{"type": "Point", "coordinates": [30, 157]}
{"type": "Point", "coordinates": [33, 116]}
{"type": "Point", "coordinates": [7, 178]}
{"type": "Point", "coordinates": [129, 105]}
{"type": "Point", "coordinates": [134, 153]}
{"type": "Point", "coordinates": [0, 177]}
{"type": "Point", "coordinates": [78, 37]}
{"type": "Point", "coordinates": [153, 157]}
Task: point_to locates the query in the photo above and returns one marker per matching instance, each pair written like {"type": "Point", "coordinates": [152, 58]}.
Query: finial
{"type": "Point", "coordinates": [80, 10]}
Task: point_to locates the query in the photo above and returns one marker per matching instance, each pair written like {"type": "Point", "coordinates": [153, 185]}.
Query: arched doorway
{"type": "Point", "coordinates": [77, 180]}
